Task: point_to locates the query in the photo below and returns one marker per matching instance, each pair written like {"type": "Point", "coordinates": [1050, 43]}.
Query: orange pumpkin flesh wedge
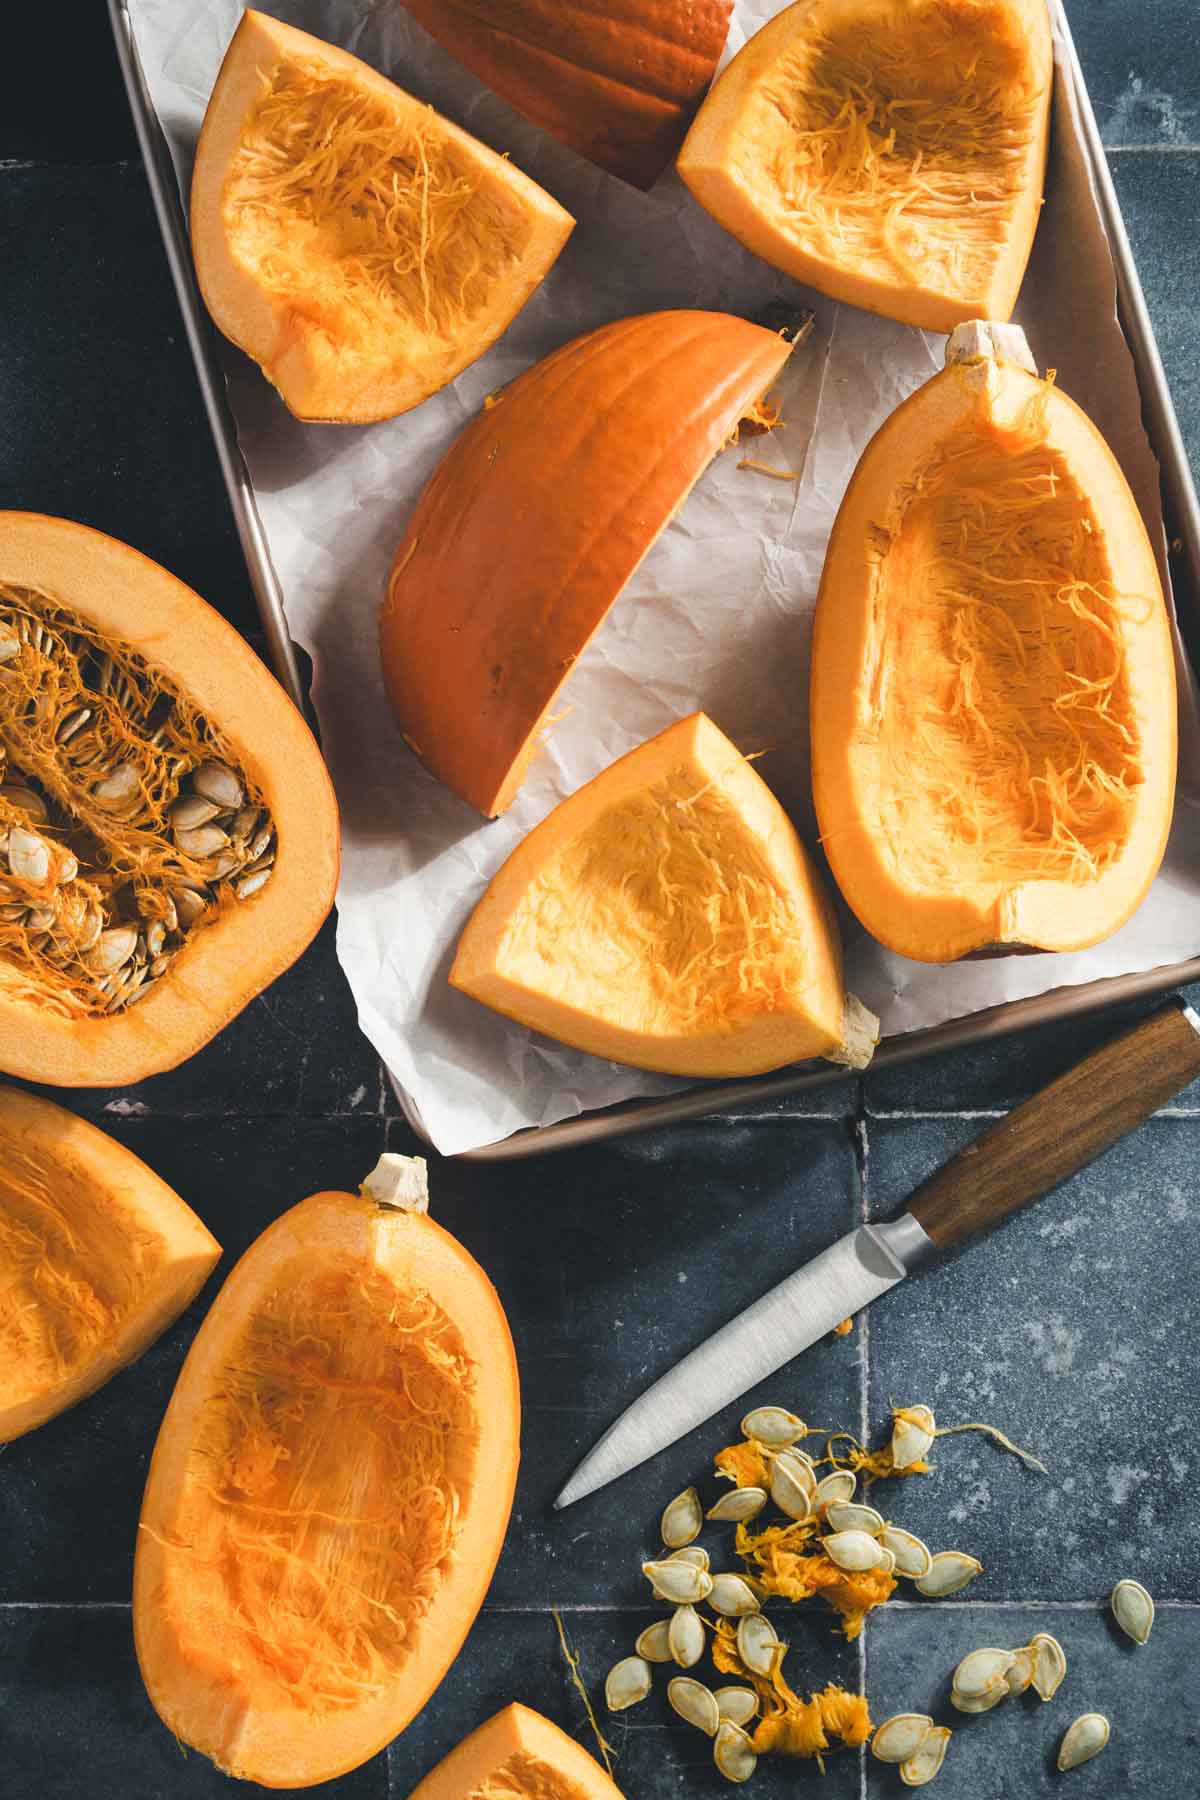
{"type": "Point", "coordinates": [889, 153]}
{"type": "Point", "coordinates": [330, 1487]}
{"type": "Point", "coordinates": [97, 1258]}
{"type": "Point", "coordinates": [666, 915]}
{"type": "Point", "coordinates": [537, 517]}
{"type": "Point", "coordinates": [618, 84]}
{"type": "Point", "coordinates": [993, 693]}
{"type": "Point", "coordinates": [517, 1755]}
{"type": "Point", "coordinates": [163, 636]}
{"type": "Point", "coordinates": [361, 248]}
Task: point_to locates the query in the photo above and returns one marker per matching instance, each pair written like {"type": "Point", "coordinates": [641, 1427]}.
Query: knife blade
{"type": "Point", "coordinates": [1025, 1155]}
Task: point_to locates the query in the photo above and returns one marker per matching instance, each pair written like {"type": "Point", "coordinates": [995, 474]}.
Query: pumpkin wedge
{"type": "Point", "coordinates": [889, 153]}
{"type": "Point", "coordinates": [666, 915]}
{"type": "Point", "coordinates": [361, 248]}
{"type": "Point", "coordinates": [330, 1487]}
{"type": "Point", "coordinates": [168, 833]}
{"type": "Point", "coordinates": [536, 518]}
{"type": "Point", "coordinates": [97, 1258]}
{"type": "Point", "coordinates": [619, 84]}
{"type": "Point", "coordinates": [993, 689]}
{"type": "Point", "coordinates": [519, 1755]}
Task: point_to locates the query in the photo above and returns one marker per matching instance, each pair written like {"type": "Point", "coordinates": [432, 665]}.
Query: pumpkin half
{"type": "Point", "coordinates": [330, 1487]}
{"type": "Point", "coordinates": [517, 1755]}
{"type": "Point", "coordinates": [537, 517]}
{"type": "Point", "coordinates": [619, 84]}
{"type": "Point", "coordinates": [666, 915]}
{"type": "Point", "coordinates": [360, 247]}
{"type": "Point", "coordinates": [993, 691]}
{"type": "Point", "coordinates": [97, 1258]}
{"type": "Point", "coordinates": [168, 833]}
{"type": "Point", "coordinates": [889, 153]}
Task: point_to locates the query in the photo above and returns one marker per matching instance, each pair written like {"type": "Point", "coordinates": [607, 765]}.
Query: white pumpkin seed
{"type": "Point", "coordinates": [205, 840]}
{"type": "Point", "coordinates": [912, 1434]}
{"type": "Point", "coordinates": [980, 1703]}
{"type": "Point", "coordinates": [732, 1752]}
{"type": "Point", "coordinates": [793, 1485]}
{"type": "Point", "coordinates": [928, 1760]}
{"type": "Point", "coordinates": [847, 1516]}
{"type": "Point", "coordinates": [772, 1426]}
{"type": "Point", "coordinates": [628, 1682]}
{"type": "Point", "coordinates": [682, 1520]}
{"type": "Point", "coordinates": [901, 1736]}
{"type": "Point", "coordinates": [757, 1644]}
{"type": "Point", "coordinates": [217, 782]}
{"type": "Point", "coordinates": [1133, 1609]}
{"type": "Point", "coordinates": [9, 647]}
{"type": "Point", "coordinates": [1085, 1737]}
{"type": "Point", "coordinates": [695, 1703]}
{"type": "Point", "coordinates": [738, 1505]}
{"type": "Point", "coordinates": [838, 1486]}
{"type": "Point", "coordinates": [17, 794]}
{"type": "Point", "coordinates": [113, 949]}
{"type": "Point", "coordinates": [980, 1670]}
{"type": "Point", "coordinates": [685, 1636]}
{"type": "Point", "coordinates": [1020, 1673]}
{"type": "Point", "coordinates": [695, 1554]}
{"type": "Point", "coordinates": [737, 1704]}
{"type": "Point", "coordinates": [1049, 1664]}
{"type": "Point", "coordinates": [948, 1573]}
{"type": "Point", "coordinates": [75, 721]}
{"type": "Point", "coordinates": [887, 1561]}
{"type": "Point", "coordinates": [189, 906]}
{"type": "Point", "coordinates": [118, 788]}
{"type": "Point", "coordinates": [913, 1558]}
{"type": "Point", "coordinates": [192, 811]}
{"type": "Point", "coordinates": [853, 1550]}
{"type": "Point", "coordinates": [654, 1644]}
{"type": "Point", "coordinates": [682, 1583]}
{"type": "Point", "coordinates": [732, 1597]}
{"type": "Point", "coordinates": [28, 856]}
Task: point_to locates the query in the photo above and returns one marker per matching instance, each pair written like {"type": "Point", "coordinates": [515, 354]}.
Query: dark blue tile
{"type": "Point", "coordinates": [1072, 1328]}
{"type": "Point", "coordinates": [1160, 200]}
{"type": "Point", "coordinates": [1142, 66]}
{"type": "Point", "coordinates": [79, 113]}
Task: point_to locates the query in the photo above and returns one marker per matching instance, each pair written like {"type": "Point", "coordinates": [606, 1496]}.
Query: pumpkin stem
{"type": "Point", "coordinates": [979, 338]}
{"type": "Point", "coordinates": [860, 1034]}
{"type": "Point", "coordinates": [399, 1182]}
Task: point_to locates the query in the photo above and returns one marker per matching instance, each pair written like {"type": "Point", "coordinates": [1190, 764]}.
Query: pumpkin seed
{"type": "Point", "coordinates": [252, 884]}
{"type": "Point", "coordinates": [948, 1573]}
{"type": "Point", "coordinates": [682, 1583]}
{"type": "Point", "coordinates": [1049, 1664]}
{"type": "Point", "coordinates": [1133, 1609]}
{"type": "Point", "coordinates": [738, 1505]}
{"type": "Point", "coordinates": [117, 789]}
{"type": "Point", "coordinates": [928, 1760]}
{"type": "Point", "coordinates": [189, 906]}
{"type": "Point", "coordinates": [682, 1520]}
{"type": "Point", "coordinates": [260, 844]}
{"type": "Point", "coordinates": [74, 721]}
{"type": "Point", "coordinates": [845, 1516]}
{"type": "Point", "coordinates": [654, 1644]}
{"type": "Point", "coordinates": [913, 1558]}
{"type": "Point", "coordinates": [793, 1485]}
{"type": "Point", "coordinates": [205, 840]}
{"type": "Point", "coordinates": [772, 1426]}
{"type": "Point", "coordinates": [244, 824]}
{"type": "Point", "coordinates": [757, 1644]}
{"type": "Point", "coordinates": [192, 811]}
{"type": "Point", "coordinates": [695, 1703]}
{"type": "Point", "coordinates": [733, 1753]}
{"type": "Point", "coordinates": [28, 856]}
{"type": "Point", "coordinates": [17, 794]}
{"type": "Point", "coordinates": [1085, 1737]}
{"type": "Point", "coordinates": [838, 1486]}
{"type": "Point", "coordinates": [217, 782]}
{"type": "Point", "coordinates": [113, 949]}
{"type": "Point", "coordinates": [695, 1554]}
{"type": "Point", "coordinates": [853, 1550]}
{"type": "Point", "coordinates": [685, 1636]}
{"type": "Point", "coordinates": [900, 1737]}
{"type": "Point", "coordinates": [628, 1683]}
{"type": "Point", "coordinates": [731, 1596]}
{"type": "Point", "coordinates": [980, 1670]}
{"type": "Point", "coordinates": [980, 1703]}
{"type": "Point", "coordinates": [737, 1704]}
{"type": "Point", "coordinates": [9, 647]}
{"type": "Point", "coordinates": [1020, 1674]}
{"type": "Point", "coordinates": [912, 1435]}
{"type": "Point", "coordinates": [887, 1561]}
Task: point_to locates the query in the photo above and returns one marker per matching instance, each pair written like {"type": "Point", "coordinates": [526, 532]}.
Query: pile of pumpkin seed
{"type": "Point", "coordinates": [124, 822]}
{"type": "Point", "coordinates": [856, 1538]}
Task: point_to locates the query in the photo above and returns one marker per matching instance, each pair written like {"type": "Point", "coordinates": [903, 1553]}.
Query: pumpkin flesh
{"type": "Point", "coordinates": [517, 1755]}
{"type": "Point", "coordinates": [360, 247]}
{"type": "Point", "coordinates": [97, 1258]}
{"type": "Point", "coordinates": [889, 153]}
{"type": "Point", "coordinates": [328, 1494]}
{"type": "Point", "coordinates": [993, 701]}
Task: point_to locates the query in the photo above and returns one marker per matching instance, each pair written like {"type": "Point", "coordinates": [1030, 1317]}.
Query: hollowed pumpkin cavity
{"type": "Point", "coordinates": [888, 152]}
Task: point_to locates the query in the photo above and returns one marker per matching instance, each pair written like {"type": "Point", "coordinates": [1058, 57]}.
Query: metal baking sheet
{"type": "Point", "coordinates": [1182, 516]}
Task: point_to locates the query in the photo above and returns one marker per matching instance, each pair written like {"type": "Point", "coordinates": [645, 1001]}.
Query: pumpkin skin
{"type": "Point", "coordinates": [619, 84]}
{"type": "Point", "coordinates": [97, 1258]}
{"type": "Point", "coordinates": [665, 915]}
{"type": "Point", "coordinates": [534, 521]}
{"type": "Point", "coordinates": [313, 295]}
{"type": "Point", "coordinates": [801, 152]}
{"type": "Point", "coordinates": [522, 1755]}
{"type": "Point", "coordinates": [970, 791]}
{"type": "Point", "coordinates": [291, 1611]}
{"type": "Point", "coordinates": [223, 966]}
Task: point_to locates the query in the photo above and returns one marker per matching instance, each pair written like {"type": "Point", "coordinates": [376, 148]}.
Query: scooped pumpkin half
{"type": "Point", "coordinates": [97, 1258]}
{"type": "Point", "coordinates": [330, 1487]}
{"type": "Point", "coordinates": [168, 833]}
{"type": "Point", "coordinates": [537, 517]}
{"type": "Point", "coordinates": [360, 247]}
{"type": "Point", "coordinates": [618, 84]}
{"type": "Point", "coordinates": [889, 153]}
{"type": "Point", "coordinates": [519, 1755]}
{"type": "Point", "coordinates": [993, 689]}
{"type": "Point", "coordinates": [666, 915]}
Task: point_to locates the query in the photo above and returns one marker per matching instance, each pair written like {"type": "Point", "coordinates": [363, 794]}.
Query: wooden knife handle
{"type": "Point", "coordinates": [1062, 1129]}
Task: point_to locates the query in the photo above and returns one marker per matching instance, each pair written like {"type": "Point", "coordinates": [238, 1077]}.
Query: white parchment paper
{"type": "Point", "coordinates": [717, 616]}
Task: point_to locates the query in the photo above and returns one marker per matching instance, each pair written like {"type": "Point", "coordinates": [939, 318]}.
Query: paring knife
{"type": "Point", "coordinates": [1026, 1154]}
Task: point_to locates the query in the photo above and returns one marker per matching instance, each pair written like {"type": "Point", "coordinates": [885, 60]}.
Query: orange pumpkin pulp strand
{"type": "Point", "coordinates": [330, 1487]}
{"type": "Point", "coordinates": [537, 517]}
{"type": "Point", "coordinates": [97, 1258]}
{"type": "Point", "coordinates": [993, 691]}
{"type": "Point", "coordinates": [666, 915]}
{"type": "Point", "coordinates": [619, 84]}
{"type": "Point", "coordinates": [517, 1755]}
{"type": "Point", "coordinates": [889, 153]}
{"type": "Point", "coordinates": [360, 247]}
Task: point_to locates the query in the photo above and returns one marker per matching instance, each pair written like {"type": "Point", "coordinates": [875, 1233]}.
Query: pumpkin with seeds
{"type": "Point", "coordinates": [168, 833]}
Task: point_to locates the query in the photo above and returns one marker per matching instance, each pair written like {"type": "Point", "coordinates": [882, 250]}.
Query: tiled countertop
{"type": "Point", "coordinates": [1075, 1329]}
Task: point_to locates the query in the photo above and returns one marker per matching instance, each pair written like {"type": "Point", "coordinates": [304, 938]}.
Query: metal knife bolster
{"type": "Point", "coordinates": [902, 1241]}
